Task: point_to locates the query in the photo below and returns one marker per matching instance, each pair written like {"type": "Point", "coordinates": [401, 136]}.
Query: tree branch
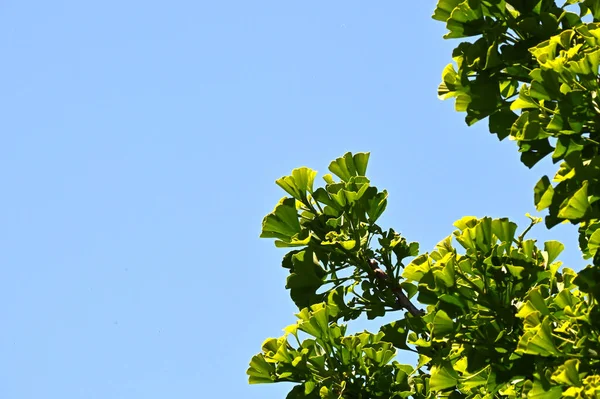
{"type": "Point", "coordinates": [401, 298]}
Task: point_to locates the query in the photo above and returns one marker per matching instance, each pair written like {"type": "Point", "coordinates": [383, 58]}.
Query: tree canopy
{"type": "Point", "coordinates": [489, 312]}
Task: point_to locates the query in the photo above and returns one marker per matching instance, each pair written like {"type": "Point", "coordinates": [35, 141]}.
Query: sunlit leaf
{"type": "Point", "coordinates": [350, 165]}
{"type": "Point", "coordinates": [443, 377]}
{"type": "Point", "coordinates": [260, 371]}
{"type": "Point", "coordinates": [444, 9]}
{"type": "Point", "coordinates": [283, 222]}
{"type": "Point", "coordinates": [576, 206]}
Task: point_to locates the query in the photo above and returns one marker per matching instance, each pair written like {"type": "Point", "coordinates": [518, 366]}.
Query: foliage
{"type": "Point", "coordinates": [498, 316]}
{"type": "Point", "coordinates": [532, 70]}
{"type": "Point", "coordinates": [330, 364]}
{"type": "Point", "coordinates": [333, 227]}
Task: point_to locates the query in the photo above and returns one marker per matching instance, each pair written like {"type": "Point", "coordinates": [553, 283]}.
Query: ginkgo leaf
{"type": "Point", "coordinates": [283, 222]}
{"type": "Point", "coordinates": [443, 377]}
{"type": "Point", "coordinates": [350, 165]}
{"type": "Point", "coordinates": [577, 205]}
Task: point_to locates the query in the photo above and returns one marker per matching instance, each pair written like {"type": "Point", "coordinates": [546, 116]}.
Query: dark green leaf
{"type": "Point", "coordinates": [543, 193]}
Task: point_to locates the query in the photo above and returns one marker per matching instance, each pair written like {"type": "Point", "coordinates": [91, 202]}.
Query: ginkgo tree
{"type": "Point", "coordinates": [489, 312]}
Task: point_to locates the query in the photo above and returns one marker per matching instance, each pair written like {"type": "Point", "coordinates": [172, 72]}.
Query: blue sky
{"type": "Point", "coordinates": [140, 143]}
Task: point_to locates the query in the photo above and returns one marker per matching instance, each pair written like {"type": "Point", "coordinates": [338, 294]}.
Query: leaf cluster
{"type": "Point", "coordinates": [489, 312]}
{"type": "Point", "coordinates": [500, 318]}
{"type": "Point", "coordinates": [531, 69]}
{"type": "Point", "coordinates": [334, 228]}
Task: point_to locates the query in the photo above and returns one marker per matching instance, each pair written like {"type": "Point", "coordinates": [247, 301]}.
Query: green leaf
{"type": "Point", "coordinates": [326, 393]}
{"type": "Point", "coordinates": [396, 333]}
{"type": "Point", "coordinates": [451, 85]}
{"type": "Point", "coordinates": [304, 178]}
{"type": "Point", "coordinates": [556, 123]}
{"type": "Point", "coordinates": [543, 194]}
{"type": "Point", "coordinates": [501, 123]}
{"type": "Point", "coordinates": [453, 300]}
{"type": "Point", "coordinates": [298, 240]}
{"type": "Point", "coordinates": [553, 248]}
{"type": "Point", "coordinates": [524, 100]}
{"type": "Point", "coordinates": [328, 179]}
{"type": "Point", "coordinates": [305, 279]}
{"type": "Point", "coordinates": [377, 206]}
{"type": "Point", "coordinates": [576, 206]}
{"type": "Point", "coordinates": [409, 288]}
{"type": "Point", "coordinates": [444, 9]}
{"type": "Point", "coordinates": [566, 146]}
{"type": "Point", "coordinates": [534, 151]}
{"type": "Point", "coordinates": [475, 380]}
{"type": "Point", "coordinates": [298, 393]}
{"type": "Point", "coordinates": [535, 303]}
{"type": "Point", "coordinates": [538, 91]}
{"type": "Point", "coordinates": [442, 324]}
{"type": "Point", "coordinates": [348, 244]}
{"type": "Point", "coordinates": [540, 392]}
{"type": "Point", "coordinates": [361, 160]}
{"type": "Point", "coordinates": [568, 373]}
{"type": "Point", "coordinates": [564, 298]}
{"type": "Point", "coordinates": [537, 340]}
{"type": "Point", "coordinates": [443, 377]}
{"type": "Point", "coordinates": [504, 229]}
{"type": "Point", "coordinates": [515, 271]}
{"type": "Point", "coordinates": [508, 88]}
{"type": "Point", "coordinates": [260, 371]}
{"type": "Point", "coordinates": [588, 280]}
{"type": "Point", "coordinates": [299, 183]}
{"type": "Point", "coordinates": [594, 242]}
{"type": "Point", "coordinates": [417, 268]}
{"type": "Point", "coordinates": [423, 360]}
{"type": "Point", "coordinates": [465, 222]}
{"type": "Point", "coordinates": [288, 184]}
{"type": "Point", "coordinates": [314, 320]}
{"type": "Point", "coordinates": [528, 127]}
{"type": "Point", "coordinates": [464, 21]}
{"type": "Point", "coordinates": [483, 234]}
{"type": "Point", "coordinates": [594, 7]}
{"type": "Point", "coordinates": [283, 222]}
{"type": "Point", "coordinates": [350, 165]}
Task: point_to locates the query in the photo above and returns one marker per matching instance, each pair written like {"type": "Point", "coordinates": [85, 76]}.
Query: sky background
{"type": "Point", "coordinates": [139, 145]}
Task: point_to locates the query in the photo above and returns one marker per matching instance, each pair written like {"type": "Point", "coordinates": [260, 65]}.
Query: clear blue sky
{"type": "Point", "coordinates": [139, 147]}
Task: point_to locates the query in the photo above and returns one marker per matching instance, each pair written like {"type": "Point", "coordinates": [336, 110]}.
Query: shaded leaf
{"type": "Point", "coordinates": [442, 324]}
{"type": "Point", "coordinates": [543, 194]}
